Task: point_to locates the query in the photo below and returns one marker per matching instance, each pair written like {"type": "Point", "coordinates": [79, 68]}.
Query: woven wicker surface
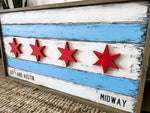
{"type": "Point", "coordinates": [19, 98]}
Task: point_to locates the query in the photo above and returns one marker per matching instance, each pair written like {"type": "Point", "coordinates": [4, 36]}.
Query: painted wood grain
{"type": "Point", "coordinates": [129, 32]}
{"type": "Point", "coordinates": [109, 23]}
{"type": "Point", "coordinates": [108, 13]}
{"type": "Point", "coordinates": [129, 61]}
{"type": "Point", "coordinates": [115, 100]}
{"type": "Point", "coordinates": [114, 84]}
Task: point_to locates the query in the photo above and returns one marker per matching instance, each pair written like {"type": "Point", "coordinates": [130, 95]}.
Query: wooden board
{"type": "Point", "coordinates": [121, 27]}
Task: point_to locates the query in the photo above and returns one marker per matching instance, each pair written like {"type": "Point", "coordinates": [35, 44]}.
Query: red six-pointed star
{"type": "Point", "coordinates": [105, 59]}
{"type": "Point", "coordinates": [67, 54]}
{"type": "Point", "coordinates": [15, 47]}
{"type": "Point", "coordinates": [37, 50]}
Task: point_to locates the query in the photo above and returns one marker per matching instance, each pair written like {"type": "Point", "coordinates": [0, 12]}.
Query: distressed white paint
{"type": "Point", "coordinates": [108, 13]}
{"type": "Point", "coordinates": [75, 89]}
{"type": "Point", "coordinates": [128, 62]}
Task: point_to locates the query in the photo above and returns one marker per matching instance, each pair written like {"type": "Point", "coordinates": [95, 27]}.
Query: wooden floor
{"type": "Point", "coordinates": [18, 98]}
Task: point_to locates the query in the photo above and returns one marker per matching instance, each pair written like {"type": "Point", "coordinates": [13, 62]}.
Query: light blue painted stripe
{"type": "Point", "coordinates": [128, 32]}
{"type": "Point", "coordinates": [104, 82]}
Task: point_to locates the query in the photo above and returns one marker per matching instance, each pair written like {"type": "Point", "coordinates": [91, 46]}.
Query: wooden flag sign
{"type": "Point", "coordinates": [96, 52]}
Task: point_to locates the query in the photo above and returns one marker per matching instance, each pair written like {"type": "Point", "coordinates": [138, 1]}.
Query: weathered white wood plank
{"type": "Point", "coordinates": [129, 61]}
{"type": "Point", "coordinates": [108, 13]}
{"type": "Point", "coordinates": [128, 87]}
{"type": "Point", "coordinates": [118, 101]}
